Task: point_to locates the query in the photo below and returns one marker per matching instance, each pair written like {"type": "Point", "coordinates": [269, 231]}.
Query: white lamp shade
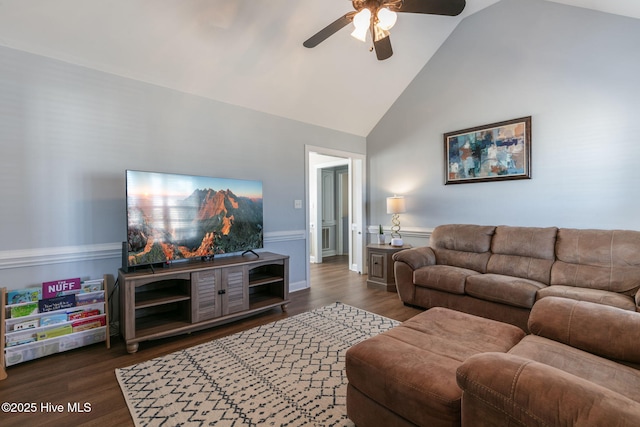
{"type": "Point", "coordinates": [386, 18]}
{"type": "Point", "coordinates": [361, 21]}
{"type": "Point", "coordinates": [395, 205]}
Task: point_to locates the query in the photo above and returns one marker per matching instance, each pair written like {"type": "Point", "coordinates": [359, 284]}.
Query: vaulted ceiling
{"type": "Point", "coordinates": [245, 52]}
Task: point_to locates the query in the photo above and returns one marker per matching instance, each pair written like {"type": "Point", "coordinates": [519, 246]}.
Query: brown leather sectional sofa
{"type": "Point", "coordinates": [577, 293]}
{"type": "Point", "coordinates": [580, 366]}
{"type": "Point", "coordinates": [499, 272]}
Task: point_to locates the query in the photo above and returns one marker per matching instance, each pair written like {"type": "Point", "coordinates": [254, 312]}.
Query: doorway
{"type": "Point", "coordinates": [335, 205]}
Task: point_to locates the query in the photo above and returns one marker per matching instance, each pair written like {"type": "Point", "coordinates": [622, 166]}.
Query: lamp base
{"type": "Point", "coordinates": [397, 242]}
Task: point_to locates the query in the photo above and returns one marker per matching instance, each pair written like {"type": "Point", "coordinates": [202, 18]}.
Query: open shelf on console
{"type": "Point", "coordinates": [151, 326]}
{"type": "Point", "coordinates": [264, 300]}
{"type": "Point", "coordinates": [267, 286]}
{"type": "Point", "coordinates": [162, 292]}
{"type": "Point", "coordinates": [266, 274]}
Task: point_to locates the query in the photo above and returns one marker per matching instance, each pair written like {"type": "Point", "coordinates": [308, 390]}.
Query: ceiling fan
{"type": "Point", "coordinates": [378, 16]}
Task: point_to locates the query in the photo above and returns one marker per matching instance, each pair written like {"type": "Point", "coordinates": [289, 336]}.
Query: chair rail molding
{"type": "Point", "coordinates": [45, 256]}
{"type": "Point", "coordinates": [416, 232]}
{"type": "Point", "coordinates": [19, 258]}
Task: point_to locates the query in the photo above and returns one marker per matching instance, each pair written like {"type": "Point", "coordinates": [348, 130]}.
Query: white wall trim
{"type": "Point", "coordinates": [284, 236]}
{"type": "Point", "coordinates": [419, 232]}
{"type": "Point", "coordinates": [46, 256]}
{"type": "Point", "coordinates": [298, 286]}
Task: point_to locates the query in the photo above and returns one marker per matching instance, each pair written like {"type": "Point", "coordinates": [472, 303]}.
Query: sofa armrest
{"type": "Point", "coordinates": [600, 329]}
{"type": "Point", "coordinates": [416, 257]}
{"type": "Point", "coordinates": [501, 389]}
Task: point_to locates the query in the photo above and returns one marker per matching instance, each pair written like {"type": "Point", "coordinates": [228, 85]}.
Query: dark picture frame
{"type": "Point", "coordinates": [494, 152]}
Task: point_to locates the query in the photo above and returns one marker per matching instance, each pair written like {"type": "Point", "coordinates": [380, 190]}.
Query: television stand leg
{"type": "Point", "coordinates": [250, 250]}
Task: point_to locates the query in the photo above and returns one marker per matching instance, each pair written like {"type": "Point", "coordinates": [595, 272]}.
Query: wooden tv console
{"type": "Point", "coordinates": [187, 297]}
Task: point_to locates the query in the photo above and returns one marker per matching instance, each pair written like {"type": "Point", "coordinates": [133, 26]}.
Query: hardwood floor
{"type": "Point", "coordinates": [87, 375]}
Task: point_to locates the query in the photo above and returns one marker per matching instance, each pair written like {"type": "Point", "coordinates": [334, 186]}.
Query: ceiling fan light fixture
{"type": "Point", "coordinates": [362, 21]}
{"type": "Point", "coordinates": [386, 18]}
{"type": "Point", "coordinates": [378, 16]}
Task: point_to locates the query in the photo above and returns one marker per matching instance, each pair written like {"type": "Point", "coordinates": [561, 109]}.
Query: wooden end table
{"type": "Point", "coordinates": [381, 266]}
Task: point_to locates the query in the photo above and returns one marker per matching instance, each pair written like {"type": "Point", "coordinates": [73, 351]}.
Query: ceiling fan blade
{"type": "Point", "coordinates": [381, 43]}
{"type": "Point", "coordinates": [432, 7]}
{"type": "Point", "coordinates": [329, 30]}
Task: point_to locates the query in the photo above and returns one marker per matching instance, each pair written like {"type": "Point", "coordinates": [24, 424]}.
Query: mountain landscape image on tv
{"type": "Point", "coordinates": [174, 217]}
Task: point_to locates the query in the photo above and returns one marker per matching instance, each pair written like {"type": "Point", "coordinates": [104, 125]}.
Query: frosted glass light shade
{"type": "Point", "coordinates": [386, 18]}
{"type": "Point", "coordinates": [361, 21]}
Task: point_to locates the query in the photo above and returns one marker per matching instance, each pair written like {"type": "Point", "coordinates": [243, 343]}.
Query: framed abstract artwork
{"type": "Point", "coordinates": [494, 152]}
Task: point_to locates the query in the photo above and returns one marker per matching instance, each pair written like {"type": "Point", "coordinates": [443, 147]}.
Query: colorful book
{"type": "Point", "coordinates": [24, 295]}
{"type": "Point", "coordinates": [13, 340]}
{"type": "Point", "coordinates": [92, 285]}
{"type": "Point", "coordinates": [55, 332]}
{"type": "Point", "coordinates": [60, 287]}
{"type": "Point", "coordinates": [84, 324]}
{"type": "Point", "coordinates": [22, 310]}
{"type": "Point", "coordinates": [52, 319]}
{"type": "Point", "coordinates": [92, 298]}
{"type": "Point", "coordinates": [28, 324]}
{"type": "Point", "coordinates": [56, 303]}
{"type": "Point", "coordinates": [82, 314]}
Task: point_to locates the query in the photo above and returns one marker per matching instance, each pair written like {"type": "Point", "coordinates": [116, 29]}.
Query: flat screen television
{"type": "Point", "coordinates": [172, 217]}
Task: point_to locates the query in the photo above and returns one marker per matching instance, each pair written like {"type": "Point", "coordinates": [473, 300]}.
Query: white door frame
{"type": "Point", "coordinates": [342, 181]}
{"type": "Point", "coordinates": [357, 198]}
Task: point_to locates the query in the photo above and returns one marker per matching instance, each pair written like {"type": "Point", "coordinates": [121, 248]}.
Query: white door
{"type": "Point", "coordinates": [329, 222]}
{"type": "Point", "coordinates": [343, 201]}
{"type": "Point", "coordinates": [357, 213]}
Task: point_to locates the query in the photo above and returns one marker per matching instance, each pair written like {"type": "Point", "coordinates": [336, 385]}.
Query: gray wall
{"type": "Point", "coordinates": [69, 133]}
{"type": "Point", "coordinates": [575, 71]}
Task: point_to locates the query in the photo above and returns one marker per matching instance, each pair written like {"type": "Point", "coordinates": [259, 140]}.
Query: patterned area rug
{"type": "Point", "coordinates": [287, 373]}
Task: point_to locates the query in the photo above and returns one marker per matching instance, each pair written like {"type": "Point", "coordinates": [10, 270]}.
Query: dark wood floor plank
{"type": "Point", "coordinates": [87, 374]}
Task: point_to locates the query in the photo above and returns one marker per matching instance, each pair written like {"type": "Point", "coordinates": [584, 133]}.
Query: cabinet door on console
{"type": "Point", "coordinates": [205, 302]}
{"type": "Point", "coordinates": [236, 282]}
{"type": "Point", "coordinates": [377, 265]}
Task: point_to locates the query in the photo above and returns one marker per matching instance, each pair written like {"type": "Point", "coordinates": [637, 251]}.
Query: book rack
{"type": "Point", "coordinates": [3, 298]}
{"type": "Point", "coordinates": [38, 334]}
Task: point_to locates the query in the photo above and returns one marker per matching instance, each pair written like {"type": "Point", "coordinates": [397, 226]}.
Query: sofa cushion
{"type": "Point", "coordinates": [509, 290]}
{"type": "Point", "coordinates": [443, 278]}
{"type": "Point", "coordinates": [463, 245]}
{"type": "Point", "coordinates": [593, 295]}
{"type": "Point", "coordinates": [416, 257]}
{"type": "Point", "coordinates": [527, 252]}
{"type": "Point", "coordinates": [600, 329]}
{"type": "Point", "coordinates": [529, 242]}
{"type": "Point", "coordinates": [598, 259]}
{"type": "Point", "coordinates": [604, 372]}
{"type": "Point", "coordinates": [508, 390]}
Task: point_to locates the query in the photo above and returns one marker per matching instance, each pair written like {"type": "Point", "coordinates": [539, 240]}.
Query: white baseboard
{"type": "Point", "coordinates": [298, 286]}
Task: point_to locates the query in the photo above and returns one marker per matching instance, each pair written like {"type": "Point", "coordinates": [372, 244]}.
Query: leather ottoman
{"type": "Point", "coordinates": [407, 375]}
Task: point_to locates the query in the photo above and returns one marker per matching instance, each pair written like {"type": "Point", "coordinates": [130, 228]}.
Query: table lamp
{"type": "Point", "coordinates": [395, 206]}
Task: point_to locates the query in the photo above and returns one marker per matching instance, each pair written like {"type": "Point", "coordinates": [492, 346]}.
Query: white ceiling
{"type": "Point", "coordinates": [244, 52]}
